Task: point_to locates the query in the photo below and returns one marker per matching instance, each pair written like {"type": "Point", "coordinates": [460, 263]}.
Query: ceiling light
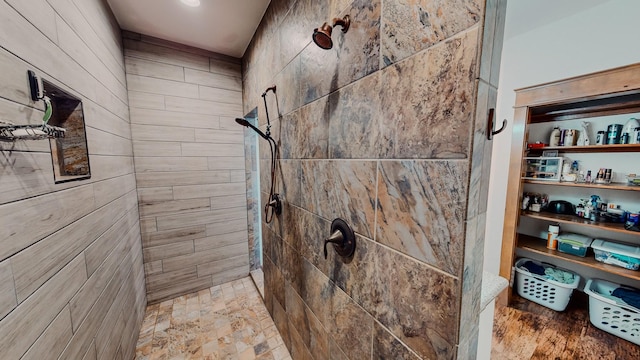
{"type": "Point", "coordinates": [192, 3]}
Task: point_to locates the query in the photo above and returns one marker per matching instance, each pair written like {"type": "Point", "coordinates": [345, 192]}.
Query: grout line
{"type": "Point", "coordinates": [376, 203]}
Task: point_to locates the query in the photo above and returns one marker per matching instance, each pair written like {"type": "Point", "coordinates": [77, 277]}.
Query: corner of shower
{"type": "Point", "coordinates": [252, 172]}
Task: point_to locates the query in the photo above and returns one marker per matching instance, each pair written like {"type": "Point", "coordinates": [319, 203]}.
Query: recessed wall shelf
{"type": "Point", "coordinates": [62, 124]}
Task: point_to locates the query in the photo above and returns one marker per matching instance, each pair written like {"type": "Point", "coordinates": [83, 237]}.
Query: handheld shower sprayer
{"type": "Point", "coordinates": [245, 123]}
{"type": "Point", "coordinates": [274, 204]}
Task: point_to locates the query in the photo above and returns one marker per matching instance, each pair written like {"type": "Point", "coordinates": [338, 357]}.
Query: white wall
{"type": "Point", "coordinates": [594, 38]}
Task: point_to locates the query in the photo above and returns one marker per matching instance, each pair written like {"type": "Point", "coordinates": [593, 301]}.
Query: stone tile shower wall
{"type": "Point", "coordinates": [190, 167]}
{"type": "Point", "coordinates": [71, 273]}
{"type": "Point", "coordinates": [387, 131]}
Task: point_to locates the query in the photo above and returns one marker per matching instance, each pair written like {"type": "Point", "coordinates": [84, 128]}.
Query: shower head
{"type": "Point", "coordinates": [244, 122]}
{"type": "Point", "coordinates": [322, 35]}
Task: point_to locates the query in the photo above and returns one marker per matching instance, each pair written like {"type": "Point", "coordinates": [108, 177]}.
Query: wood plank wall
{"type": "Point", "coordinates": [189, 160]}
{"type": "Point", "coordinates": [71, 271]}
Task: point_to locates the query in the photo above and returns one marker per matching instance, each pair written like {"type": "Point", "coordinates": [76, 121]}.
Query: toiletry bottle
{"type": "Point", "coordinates": [552, 237]}
{"type": "Point", "coordinates": [554, 140]}
{"type": "Point", "coordinates": [588, 179]}
{"type": "Point", "coordinates": [563, 133]}
{"type": "Point", "coordinates": [625, 138]}
{"type": "Point", "coordinates": [607, 175]}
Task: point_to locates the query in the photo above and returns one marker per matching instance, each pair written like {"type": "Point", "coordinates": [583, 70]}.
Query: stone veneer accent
{"type": "Point", "coordinates": [387, 131]}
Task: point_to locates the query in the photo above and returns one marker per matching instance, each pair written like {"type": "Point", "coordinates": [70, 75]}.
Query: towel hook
{"type": "Point", "coordinates": [491, 125]}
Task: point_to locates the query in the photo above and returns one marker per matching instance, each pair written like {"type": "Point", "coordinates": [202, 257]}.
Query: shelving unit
{"type": "Point", "coordinates": [571, 219]}
{"type": "Point", "coordinates": [539, 246]}
{"type": "Point", "coordinates": [612, 186]}
{"type": "Point", "coordinates": [607, 93]}
{"type": "Point", "coordinates": [590, 149]}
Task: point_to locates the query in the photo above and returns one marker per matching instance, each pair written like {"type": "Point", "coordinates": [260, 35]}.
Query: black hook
{"type": "Point", "coordinates": [491, 125]}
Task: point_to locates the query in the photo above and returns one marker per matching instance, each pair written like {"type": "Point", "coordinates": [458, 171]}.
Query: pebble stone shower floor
{"type": "Point", "coordinates": [227, 321]}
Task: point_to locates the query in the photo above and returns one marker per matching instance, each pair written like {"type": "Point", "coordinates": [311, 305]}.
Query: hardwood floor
{"type": "Point", "coordinates": [526, 330]}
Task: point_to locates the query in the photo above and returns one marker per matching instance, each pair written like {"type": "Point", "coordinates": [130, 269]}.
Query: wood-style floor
{"type": "Point", "coordinates": [526, 330]}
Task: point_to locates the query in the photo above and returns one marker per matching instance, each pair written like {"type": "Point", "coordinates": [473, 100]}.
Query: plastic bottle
{"type": "Point", "coordinates": [552, 237]}
{"type": "Point", "coordinates": [554, 140]}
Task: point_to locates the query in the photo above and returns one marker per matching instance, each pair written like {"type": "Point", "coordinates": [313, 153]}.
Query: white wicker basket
{"type": "Point", "coordinates": [552, 294]}
{"type": "Point", "coordinates": [612, 316]}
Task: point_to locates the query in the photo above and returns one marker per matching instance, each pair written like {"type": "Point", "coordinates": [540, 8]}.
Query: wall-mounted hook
{"type": "Point", "coordinates": [35, 86]}
{"type": "Point", "coordinates": [491, 125]}
{"type": "Point", "coordinates": [342, 238]}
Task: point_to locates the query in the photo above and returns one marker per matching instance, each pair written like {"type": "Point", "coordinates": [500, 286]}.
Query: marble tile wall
{"type": "Point", "coordinates": [385, 130]}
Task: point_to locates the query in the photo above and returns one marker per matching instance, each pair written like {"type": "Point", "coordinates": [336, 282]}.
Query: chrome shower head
{"type": "Point", "coordinates": [322, 35]}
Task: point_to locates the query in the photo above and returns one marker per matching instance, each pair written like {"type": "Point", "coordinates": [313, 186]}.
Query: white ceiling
{"type": "Point", "coordinates": [227, 26]}
{"type": "Point", "coordinates": [222, 26]}
{"type": "Point", "coordinates": [526, 15]}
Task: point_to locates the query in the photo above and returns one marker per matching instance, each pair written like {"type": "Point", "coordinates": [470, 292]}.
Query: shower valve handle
{"type": "Point", "coordinates": [342, 238]}
{"type": "Point", "coordinates": [335, 238]}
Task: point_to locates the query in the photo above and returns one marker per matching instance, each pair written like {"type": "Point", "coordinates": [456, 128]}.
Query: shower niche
{"type": "Point", "coordinates": [69, 154]}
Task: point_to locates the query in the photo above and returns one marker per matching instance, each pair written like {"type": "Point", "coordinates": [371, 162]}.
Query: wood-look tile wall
{"type": "Point", "coordinates": [387, 131]}
{"type": "Point", "coordinates": [71, 272]}
{"type": "Point", "coordinates": [189, 160]}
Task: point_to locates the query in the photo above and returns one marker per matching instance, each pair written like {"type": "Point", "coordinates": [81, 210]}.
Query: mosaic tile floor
{"type": "Point", "coordinates": [227, 321]}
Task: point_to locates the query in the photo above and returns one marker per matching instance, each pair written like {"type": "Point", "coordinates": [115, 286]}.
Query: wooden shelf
{"type": "Point", "coordinates": [539, 246]}
{"type": "Point", "coordinates": [612, 186]}
{"type": "Point", "coordinates": [571, 219]}
{"type": "Point", "coordinates": [590, 148]}
{"type": "Point", "coordinates": [610, 92]}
